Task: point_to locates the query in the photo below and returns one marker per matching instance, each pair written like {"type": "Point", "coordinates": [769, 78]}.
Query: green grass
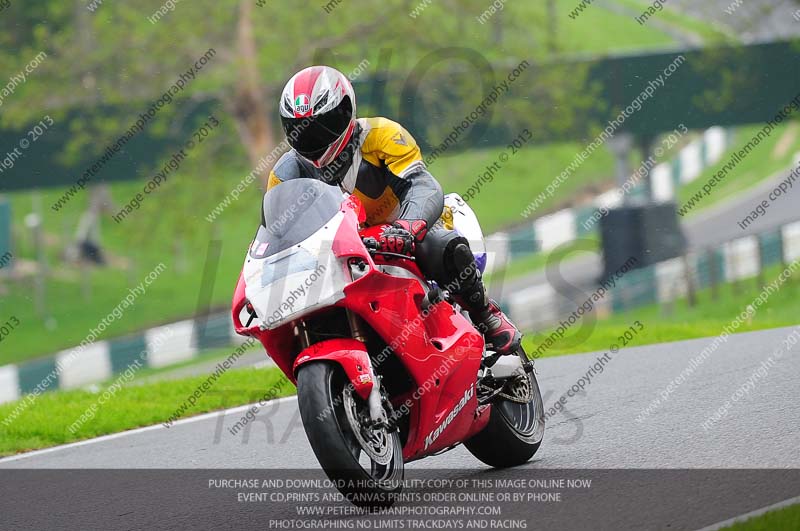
{"type": "Point", "coordinates": [786, 518]}
{"type": "Point", "coordinates": [661, 325]}
{"type": "Point", "coordinates": [202, 358]}
{"type": "Point", "coordinates": [72, 314]}
{"type": "Point", "coordinates": [681, 21]}
{"type": "Point", "coordinates": [500, 202]}
{"type": "Point", "coordinates": [47, 421]}
{"type": "Point", "coordinates": [763, 161]}
{"type": "Point", "coordinates": [598, 29]}
{"type": "Point", "coordinates": [169, 228]}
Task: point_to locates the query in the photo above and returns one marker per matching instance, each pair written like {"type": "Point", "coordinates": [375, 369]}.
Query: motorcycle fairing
{"type": "Point", "coordinates": [298, 280]}
{"type": "Point", "coordinates": [440, 349]}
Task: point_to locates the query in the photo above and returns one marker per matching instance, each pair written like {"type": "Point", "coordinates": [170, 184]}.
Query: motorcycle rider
{"type": "Point", "coordinates": [378, 160]}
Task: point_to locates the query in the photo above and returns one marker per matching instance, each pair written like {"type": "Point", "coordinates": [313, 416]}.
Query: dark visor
{"type": "Point", "coordinates": [311, 136]}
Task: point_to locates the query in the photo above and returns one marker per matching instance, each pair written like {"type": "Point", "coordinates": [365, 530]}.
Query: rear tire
{"type": "Point", "coordinates": [514, 432]}
{"type": "Point", "coordinates": [322, 392]}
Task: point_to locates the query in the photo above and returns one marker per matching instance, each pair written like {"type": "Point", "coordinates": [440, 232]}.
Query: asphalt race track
{"type": "Point", "coordinates": [597, 436]}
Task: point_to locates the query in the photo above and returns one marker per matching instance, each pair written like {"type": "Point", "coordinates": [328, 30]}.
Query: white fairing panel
{"type": "Point", "coordinates": [298, 280]}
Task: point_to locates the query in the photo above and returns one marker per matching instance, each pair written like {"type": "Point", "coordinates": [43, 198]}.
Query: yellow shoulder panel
{"type": "Point", "coordinates": [388, 141]}
{"type": "Point", "coordinates": [273, 180]}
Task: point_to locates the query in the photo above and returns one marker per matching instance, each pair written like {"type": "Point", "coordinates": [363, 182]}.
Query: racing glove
{"type": "Point", "coordinates": [402, 236]}
{"type": "Point", "coordinates": [418, 228]}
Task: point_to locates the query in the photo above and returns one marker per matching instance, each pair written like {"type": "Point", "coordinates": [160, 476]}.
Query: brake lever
{"type": "Point", "coordinates": [393, 255]}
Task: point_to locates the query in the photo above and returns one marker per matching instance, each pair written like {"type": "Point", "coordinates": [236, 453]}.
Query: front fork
{"type": "Point", "coordinates": [374, 401]}
{"type": "Point", "coordinates": [375, 404]}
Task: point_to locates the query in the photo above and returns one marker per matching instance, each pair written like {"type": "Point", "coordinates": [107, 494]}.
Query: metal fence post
{"type": "Point", "coordinates": [714, 278]}
{"type": "Point", "coordinates": [691, 294]}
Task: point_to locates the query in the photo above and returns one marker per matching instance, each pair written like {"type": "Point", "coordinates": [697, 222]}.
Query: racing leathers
{"type": "Point", "coordinates": [382, 165]}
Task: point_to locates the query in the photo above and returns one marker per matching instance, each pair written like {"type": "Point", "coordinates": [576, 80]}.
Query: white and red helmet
{"type": "Point", "coordinates": [318, 113]}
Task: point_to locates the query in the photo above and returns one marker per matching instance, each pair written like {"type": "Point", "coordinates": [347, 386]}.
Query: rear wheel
{"type": "Point", "coordinates": [516, 428]}
{"type": "Point", "coordinates": [365, 462]}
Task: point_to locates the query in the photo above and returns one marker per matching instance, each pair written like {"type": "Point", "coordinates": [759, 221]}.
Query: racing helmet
{"type": "Point", "coordinates": [318, 113]}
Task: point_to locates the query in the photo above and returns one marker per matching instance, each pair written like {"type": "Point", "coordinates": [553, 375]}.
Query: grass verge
{"type": "Point", "coordinates": [771, 156]}
{"type": "Point", "coordinates": [679, 321]}
{"type": "Point", "coordinates": [786, 518]}
{"type": "Point", "coordinates": [710, 33]}
{"type": "Point", "coordinates": [48, 420]}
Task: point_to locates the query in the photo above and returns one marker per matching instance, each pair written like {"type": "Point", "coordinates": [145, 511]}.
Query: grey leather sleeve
{"type": "Point", "coordinates": [423, 199]}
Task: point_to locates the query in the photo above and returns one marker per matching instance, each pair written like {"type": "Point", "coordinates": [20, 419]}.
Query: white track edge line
{"type": "Point", "coordinates": [136, 431]}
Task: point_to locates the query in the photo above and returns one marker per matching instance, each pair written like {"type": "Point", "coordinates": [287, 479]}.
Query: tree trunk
{"type": "Point", "coordinates": [248, 105]}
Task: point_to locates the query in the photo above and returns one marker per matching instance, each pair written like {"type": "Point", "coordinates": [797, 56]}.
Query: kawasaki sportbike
{"type": "Point", "coordinates": [388, 367]}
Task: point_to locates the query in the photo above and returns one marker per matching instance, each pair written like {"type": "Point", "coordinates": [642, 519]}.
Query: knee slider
{"type": "Point", "coordinates": [462, 269]}
{"type": "Point", "coordinates": [463, 257]}
{"type": "Point", "coordinates": [457, 256]}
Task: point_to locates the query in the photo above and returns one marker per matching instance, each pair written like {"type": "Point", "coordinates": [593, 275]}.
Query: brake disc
{"type": "Point", "coordinates": [379, 448]}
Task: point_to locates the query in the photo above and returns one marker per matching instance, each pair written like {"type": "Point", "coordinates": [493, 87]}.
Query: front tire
{"type": "Point", "coordinates": [514, 432]}
{"type": "Point", "coordinates": [366, 467]}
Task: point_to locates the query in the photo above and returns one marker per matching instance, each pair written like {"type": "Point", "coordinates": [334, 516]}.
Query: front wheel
{"type": "Point", "coordinates": [515, 429]}
{"type": "Point", "coordinates": [363, 461]}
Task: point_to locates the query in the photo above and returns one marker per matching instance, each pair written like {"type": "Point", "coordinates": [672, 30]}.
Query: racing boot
{"type": "Point", "coordinates": [470, 292]}
{"type": "Point", "coordinates": [497, 328]}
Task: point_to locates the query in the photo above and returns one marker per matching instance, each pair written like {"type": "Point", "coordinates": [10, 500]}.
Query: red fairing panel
{"type": "Point", "coordinates": [441, 350]}
{"type": "Point", "coordinates": [277, 343]}
{"type": "Point", "coordinates": [349, 353]}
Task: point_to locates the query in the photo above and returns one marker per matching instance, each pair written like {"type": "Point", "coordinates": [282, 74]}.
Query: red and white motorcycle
{"type": "Point", "coordinates": [388, 368]}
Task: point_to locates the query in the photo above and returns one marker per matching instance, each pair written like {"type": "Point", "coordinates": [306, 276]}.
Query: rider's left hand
{"type": "Point", "coordinates": [397, 240]}
{"type": "Point", "coordinates": [418, 228]}
{"type": "Point", "coordinates": [402, 236]}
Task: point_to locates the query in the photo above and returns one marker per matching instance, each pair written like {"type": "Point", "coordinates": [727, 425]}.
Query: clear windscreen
{"type": "Point", "coordinates": [293, 211]}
